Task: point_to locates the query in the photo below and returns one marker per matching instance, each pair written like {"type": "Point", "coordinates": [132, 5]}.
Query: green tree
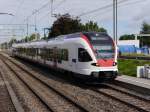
{"type": "Point", "coordinates": [12, 41]}
{"type": "Point", "coordinates": [144, 41]}
{"type": "Point", "coordinates": [92, 26]}
{"type": "Point", "coordinates": [26, 39]}
{"type": "Point", "coordinates": [65, 24]}
{"type": "Point", "coordinates": [4, 45]}
{"type": "Point", "coordinates": [34, 36]}
{"type": "Point", "coordinates": [145, 29]}
{"type": "Point", "coordinates": [127, 37]}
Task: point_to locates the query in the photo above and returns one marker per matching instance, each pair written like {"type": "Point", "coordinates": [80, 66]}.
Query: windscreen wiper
{"type": "Point", "coordinates": [100, 55]}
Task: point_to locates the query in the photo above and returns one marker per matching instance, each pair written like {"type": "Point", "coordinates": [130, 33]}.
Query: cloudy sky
{"type": "Point", "coordinates": [131, 14]}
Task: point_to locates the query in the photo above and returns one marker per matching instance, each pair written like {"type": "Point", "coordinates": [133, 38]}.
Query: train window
{"type": "Point", "coordinates": [46, 54]}
{"type": "Point", "coordinates": [65, 54]}
{"type": "Point", "coordinates": [83, 55]}
{"type": "Point", "coordinates": [37, 51]}
{"type": "Point", "coordinates": [43, 53]}
{"type": "Point", "coordinates": [59, 59]}
{"type": "Point", "coordinates": [51, 54]}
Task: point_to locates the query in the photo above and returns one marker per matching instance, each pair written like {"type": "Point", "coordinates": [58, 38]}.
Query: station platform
{"type": "Point", "coordinates": [141, 82]}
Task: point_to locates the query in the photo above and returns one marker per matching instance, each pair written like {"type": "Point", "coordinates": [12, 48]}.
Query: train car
{"type": "Point", "coordinates": [84, 54]}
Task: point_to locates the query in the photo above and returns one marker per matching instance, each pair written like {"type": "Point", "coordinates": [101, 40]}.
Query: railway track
{"type": "Point", "coordinates": [132, 100]}
{"type": "Point", "coordinates": [8, 99]}
{"type": "Point", "coordinates": [54, 100]}
{"type": "Point", "coordinates": [123, 97]}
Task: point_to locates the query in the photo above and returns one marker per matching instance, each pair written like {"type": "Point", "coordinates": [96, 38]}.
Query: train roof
{"type": "Point", "coordinates": [56, 39]}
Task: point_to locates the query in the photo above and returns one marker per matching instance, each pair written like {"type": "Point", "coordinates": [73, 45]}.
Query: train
{"type": "Point", "coordinates": [84, 54]}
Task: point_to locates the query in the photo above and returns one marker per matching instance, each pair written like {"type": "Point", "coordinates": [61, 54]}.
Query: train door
{"type": "Point", "coordinates": [73, 57]}
{"type": "Point", "coordinates": [84, 60]}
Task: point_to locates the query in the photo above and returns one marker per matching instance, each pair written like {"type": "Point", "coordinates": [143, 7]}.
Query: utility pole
{"type": "Point", "coordinates": [115, 21]}
{"type": "Point", "coordinates": [48, 29]}
{"type": "Point", "coordinates": [35, 22]}
{"type": "Point", "coordinates": [52, 14]}
{"type": "Point", "coordinates": [51, 7]}
{"type": "Point", "coordinates": [27, 27]}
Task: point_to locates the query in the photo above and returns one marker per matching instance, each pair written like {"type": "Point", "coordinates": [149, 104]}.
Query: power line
{"type": "Point", "coordinates": [37, 10]}
{"type": "Point", "coordinates": [126, 4]}
{"type": "Point", "coordinates": [59, 4]}
{"type": "Point", "coordinates": [52, 9]}
{"type": "Point", "coordinates": [17, 11]}
{"type": "Point", "coordinates": [101, 8]}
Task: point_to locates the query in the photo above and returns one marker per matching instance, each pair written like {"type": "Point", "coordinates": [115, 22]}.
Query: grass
{"type": "Point", "coordinates": [129, 67]}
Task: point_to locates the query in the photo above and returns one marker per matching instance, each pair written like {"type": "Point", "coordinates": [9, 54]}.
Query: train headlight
{"type": "Point", "coordinates": [95, 64]}
{"type": "Point", "coordinates": [114, 63]}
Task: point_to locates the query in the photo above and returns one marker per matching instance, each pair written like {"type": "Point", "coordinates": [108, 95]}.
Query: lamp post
{"type": "Point", "coordinates": [2, 13]}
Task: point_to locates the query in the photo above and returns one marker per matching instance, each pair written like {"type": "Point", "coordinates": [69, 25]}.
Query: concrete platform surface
{"type": "Point", "coordinates": [141, 82]}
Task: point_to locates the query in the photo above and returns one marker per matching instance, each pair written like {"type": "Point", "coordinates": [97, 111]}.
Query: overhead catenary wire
{"type": "Point", "coordinates": [126, 4]}
{"type": "Point", "coordinates": [100, 8]}
{"type": "Point", "coordinates": [62, 2]}
{"type": "Point", "coordinates": [83, 14]}
{"type": "Point", "coordinates": [121, 3]}
{"type": "Point", "coordinates": [48, 12]}
{"type": "Point", "coordinates": [17, 11]}
{"type": "Point", "coordinates": [37, 11]}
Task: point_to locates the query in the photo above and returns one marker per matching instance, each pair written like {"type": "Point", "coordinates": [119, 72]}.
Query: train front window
{"type": "Point", "coordinates": [102, 44]}
{"type": "Point", "coordinates": [104, 51]}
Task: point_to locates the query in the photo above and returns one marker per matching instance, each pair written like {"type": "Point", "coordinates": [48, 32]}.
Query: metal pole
{"type": "Point", "coordinates": [27, 27]}
{"type": "Point", "coordinates": [51, 7]}
{"type": "Point", "coordinates": [35, 22]}
{"type": "Point", "coordinates": [114, 36]}
{"type": "Point", "coordinates": [35, 25]}
{"type": "Point", "coordinates": [116, 22]}
{"type": "Point", "coordinates": [44, 33]}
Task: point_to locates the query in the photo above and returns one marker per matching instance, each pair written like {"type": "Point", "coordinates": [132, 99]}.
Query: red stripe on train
{"type": "Point", "coordinates": [105, 63]}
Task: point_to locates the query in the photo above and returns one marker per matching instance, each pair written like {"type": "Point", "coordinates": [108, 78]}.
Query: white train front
{"type": "Point", "coordinates": [86, 54]}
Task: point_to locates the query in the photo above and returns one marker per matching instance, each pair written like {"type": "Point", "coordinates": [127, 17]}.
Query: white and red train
{"type": "Point", "coordinates": [86, 54]}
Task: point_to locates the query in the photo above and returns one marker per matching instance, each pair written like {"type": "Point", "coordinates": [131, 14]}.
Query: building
{"type": "Point", "coordinates": [135, 43]}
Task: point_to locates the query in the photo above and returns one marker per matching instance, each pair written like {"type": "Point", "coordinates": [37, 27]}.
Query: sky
{"type": "Point", "coordinates": [131, 14]}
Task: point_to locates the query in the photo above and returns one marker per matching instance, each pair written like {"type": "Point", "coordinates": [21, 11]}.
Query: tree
{"type": "Point", "coordinates": [145, 29]}
{"type": "Point", "coordinates": [34, 36]}
{"type": "Point", "coordinates": [127, 37]}
{"type": "Point", "coordinates": [65, 24]}
{"type": "Point", "coordinates": [4, 45]}
{"type": "Point", "coordinates": [12, 41]}
{"type": "Point", "coordinates": [26, 39]}
{"type": "Point", "coordinates": [144, 41]}
{"type": "Point", "coordinates": [92, 26]}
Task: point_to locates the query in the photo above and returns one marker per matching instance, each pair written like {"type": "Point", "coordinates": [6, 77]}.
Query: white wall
{"type": "Point", "coordinates": [129, 42]}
